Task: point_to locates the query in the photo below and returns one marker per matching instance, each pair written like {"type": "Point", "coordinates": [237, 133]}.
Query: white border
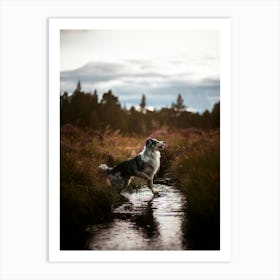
{"type": "Point", "coordinates": [222, 24]}
{"type": "Point", "coordinates": [255, 139]}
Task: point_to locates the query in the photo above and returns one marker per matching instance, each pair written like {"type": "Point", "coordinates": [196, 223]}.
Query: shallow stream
{"type": "Point", "coordinates": [143, 223]}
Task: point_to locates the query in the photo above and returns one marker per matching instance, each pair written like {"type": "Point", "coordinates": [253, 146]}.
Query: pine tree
{"type": "Point", "coordinates": [143, 104]}
{"type": "Point", "coordinates": [179, 106]}
{"type": "Point", "coordinates": [78, 87]}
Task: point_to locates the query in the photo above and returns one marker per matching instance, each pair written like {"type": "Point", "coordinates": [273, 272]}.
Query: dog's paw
{"type": "Point", "coordinates": [156, 194]}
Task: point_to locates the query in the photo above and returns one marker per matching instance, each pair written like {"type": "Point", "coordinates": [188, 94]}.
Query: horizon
{"type": "Point", "coordinates": [160, 64]}
{"type": "Point", "coordinates": [137, 106]}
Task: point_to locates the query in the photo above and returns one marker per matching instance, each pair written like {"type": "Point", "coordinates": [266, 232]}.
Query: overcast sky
{"type": "Point", "coordinates": [157, 63]}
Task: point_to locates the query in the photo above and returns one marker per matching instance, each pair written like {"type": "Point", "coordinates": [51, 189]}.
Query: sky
{"type": "Point", "coordinates": [158, 63]}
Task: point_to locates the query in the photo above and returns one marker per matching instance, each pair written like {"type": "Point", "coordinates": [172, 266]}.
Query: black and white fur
{"type": "Point", "coordinates": [145, 165]}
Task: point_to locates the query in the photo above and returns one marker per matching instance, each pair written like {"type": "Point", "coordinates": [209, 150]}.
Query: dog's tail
{"type": "Point", "coordinates": [105, 168]}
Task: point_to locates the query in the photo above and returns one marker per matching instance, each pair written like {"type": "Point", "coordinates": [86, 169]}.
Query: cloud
{"type": "Point", "coordinates": [160, 80]}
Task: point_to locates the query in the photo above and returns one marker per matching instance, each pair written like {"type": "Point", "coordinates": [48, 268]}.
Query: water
{"type": "Point", "coordinates": [143, 223]}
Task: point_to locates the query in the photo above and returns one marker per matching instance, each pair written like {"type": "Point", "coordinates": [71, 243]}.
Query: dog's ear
{"type": "Point", "coordinates": [149, 143]}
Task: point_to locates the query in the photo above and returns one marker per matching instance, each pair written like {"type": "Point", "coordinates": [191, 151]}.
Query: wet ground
{"type": "Point", "coordinates": [143, 223]}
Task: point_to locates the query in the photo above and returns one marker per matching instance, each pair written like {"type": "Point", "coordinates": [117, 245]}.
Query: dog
{"type": "Point", "coordinates": [145, 165]}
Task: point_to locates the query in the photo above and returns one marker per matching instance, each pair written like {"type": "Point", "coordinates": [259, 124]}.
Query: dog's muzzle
{"type": "Point", "coordinates": [162, 145]}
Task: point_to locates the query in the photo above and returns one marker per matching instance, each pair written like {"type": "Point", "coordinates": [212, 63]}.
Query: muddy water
{"type": "Point", "coordinates": [143, 223]}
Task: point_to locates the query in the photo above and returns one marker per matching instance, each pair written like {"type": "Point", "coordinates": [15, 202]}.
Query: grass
{"type": "Point", "coordinates": [198, 174]}
{"type": "Point", "coordinates": [192, 159]}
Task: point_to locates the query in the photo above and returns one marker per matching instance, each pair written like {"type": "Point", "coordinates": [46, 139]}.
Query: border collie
{"type": "Point", "coordinates": [145, 165]}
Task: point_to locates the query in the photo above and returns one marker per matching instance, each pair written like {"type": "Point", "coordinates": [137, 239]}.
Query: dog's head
{"type": "Point", "coordinates": [155, 145]}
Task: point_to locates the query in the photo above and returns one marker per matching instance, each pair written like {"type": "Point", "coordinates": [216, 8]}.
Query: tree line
{"type": "Point", "coordinates": [85, 110]}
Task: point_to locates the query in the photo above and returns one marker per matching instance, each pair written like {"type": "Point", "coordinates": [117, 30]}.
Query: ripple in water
{"type": "Point", "coordinates": [143, 223]}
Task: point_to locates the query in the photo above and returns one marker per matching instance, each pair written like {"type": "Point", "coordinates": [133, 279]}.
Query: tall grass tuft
{"type": "Point", "coordinates": [85, 197]}
{"type": "Point", "coordinates": [198, 176]}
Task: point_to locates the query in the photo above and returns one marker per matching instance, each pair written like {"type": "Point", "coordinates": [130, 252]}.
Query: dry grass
{"type": "Point", "coordinates": [192, 157]}
{"type": "Point", "coordinates": [198, 173]}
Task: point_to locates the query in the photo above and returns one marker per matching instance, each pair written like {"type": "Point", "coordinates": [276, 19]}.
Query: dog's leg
{"type": "Point", "coordinates": [125, 183]}
{"type": "Point", "coordinates": [144, 176]}
{"type": "Point", "coordinates": [149, 182]}
{"type": "Point", "coordinates": [150, 186]}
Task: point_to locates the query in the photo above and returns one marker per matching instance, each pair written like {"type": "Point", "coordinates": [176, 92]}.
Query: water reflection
{"type": "Point", "coordinates": [143, 223]}
{"type": "Point", "coordinates": [146, 222]}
